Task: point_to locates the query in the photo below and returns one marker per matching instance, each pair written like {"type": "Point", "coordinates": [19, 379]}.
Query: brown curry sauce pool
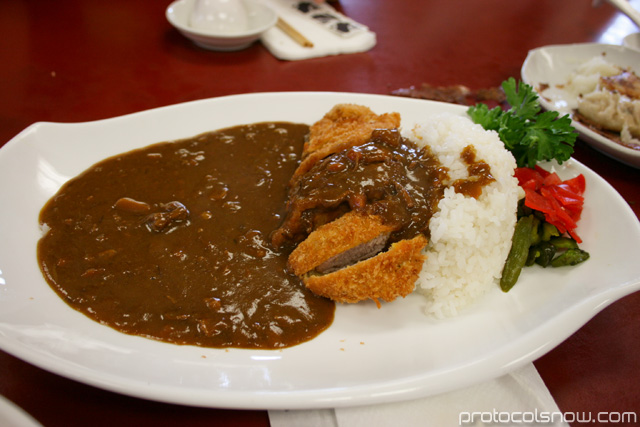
{"type": "Point", "coordinates": [172, 241]}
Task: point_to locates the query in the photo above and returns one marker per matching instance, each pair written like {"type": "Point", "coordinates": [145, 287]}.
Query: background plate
{"type": "Point", "coordinates": [553, 65]}
{"type": "Point", "coordinates": [368, 355]}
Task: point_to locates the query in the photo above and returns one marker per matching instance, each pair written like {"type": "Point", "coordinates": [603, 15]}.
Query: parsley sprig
{"type": "Point", "coordinates": [531, 136]}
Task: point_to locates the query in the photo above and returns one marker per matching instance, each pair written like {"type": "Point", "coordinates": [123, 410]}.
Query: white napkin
{"type": "Point", "coordinates": [320, 32]}
{"type": "Point", "coordinates": [518, 398]}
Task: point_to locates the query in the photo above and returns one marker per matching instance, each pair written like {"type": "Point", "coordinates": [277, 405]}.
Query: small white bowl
{"type": "Point", "coordinates": [260, 18]}
{"type": "Point", "coordinates": [632, 41]}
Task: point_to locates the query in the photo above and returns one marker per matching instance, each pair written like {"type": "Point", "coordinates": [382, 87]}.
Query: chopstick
{"type": "Point", "coordinates": [293, 33]}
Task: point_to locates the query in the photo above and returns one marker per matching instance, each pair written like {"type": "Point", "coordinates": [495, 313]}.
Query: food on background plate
{"type": "Point", "coordinates": [608, 100]}
{"type": "Point", "coordinates": [454, 94]}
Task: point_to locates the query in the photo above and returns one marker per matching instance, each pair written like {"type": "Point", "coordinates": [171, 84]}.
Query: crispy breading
{"type": "Point", "coordinates": [340, 260]}
{"type": "Point", "coordinates": [386, 276]}
{"type": "Point", "coordinates": [329, 240]}
{"type": "Point", "coordinates": [344, 126]}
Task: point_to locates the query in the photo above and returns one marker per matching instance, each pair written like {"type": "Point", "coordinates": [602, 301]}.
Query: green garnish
{"type": "Point", "coordinates": [518, 254]}
{"type": "Point", "coordinates": [531, 136]}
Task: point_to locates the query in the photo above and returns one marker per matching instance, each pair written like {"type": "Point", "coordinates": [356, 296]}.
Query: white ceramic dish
{"type": "Point", "coordinates": [553, 65]}
{"type": "Point", "coordinates": [260, 19]}
{"type": "Point", "coordinates": [632, 41]}
{"type": "Point", "coordinates": [367, 356]}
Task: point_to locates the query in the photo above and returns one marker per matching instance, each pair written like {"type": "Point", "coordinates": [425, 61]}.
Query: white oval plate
{"type": "Point", "coordinates": [367, 356]}
{"type": "Point", "coordinates": [553, 65]}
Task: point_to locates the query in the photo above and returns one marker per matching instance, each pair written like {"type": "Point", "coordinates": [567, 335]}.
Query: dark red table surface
{"type": "Point", "coordinates": [73, 61]}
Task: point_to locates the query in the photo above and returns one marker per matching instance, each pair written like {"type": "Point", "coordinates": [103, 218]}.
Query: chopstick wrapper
{"type": "Point", "coordinates": [330, 32]}
{"type": "Point", "coordinates": [518, 398]}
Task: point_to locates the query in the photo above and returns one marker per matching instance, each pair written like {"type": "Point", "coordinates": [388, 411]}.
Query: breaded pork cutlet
{"type": "Point", "coordinates": [344, 126]}
{"type": "Point", "coordinates": [347, 259]}
{"type": "Point", "coordinates": [386, 276]}
{"type": "Point", "coordinates": [340, 243]}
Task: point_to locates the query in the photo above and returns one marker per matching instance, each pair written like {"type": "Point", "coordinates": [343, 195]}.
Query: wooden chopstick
{"type": "Point", "coordinates": [293, 33]}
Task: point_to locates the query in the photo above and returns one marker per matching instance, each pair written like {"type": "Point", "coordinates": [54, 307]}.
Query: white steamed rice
{"type": "Point", "coordinates": [470, 239]}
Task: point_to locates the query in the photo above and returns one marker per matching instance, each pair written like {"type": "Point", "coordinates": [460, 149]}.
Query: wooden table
{"type": "Point", "coordinates": [74, 61]}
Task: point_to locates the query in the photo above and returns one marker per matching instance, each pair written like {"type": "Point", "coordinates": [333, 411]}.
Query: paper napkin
{"type": "Point", "coordinates": [518, 398]}
{"type": "Point", "coordinates": [330, 32]}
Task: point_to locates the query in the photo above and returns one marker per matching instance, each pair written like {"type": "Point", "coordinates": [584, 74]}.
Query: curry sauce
{"type": "Point", "coordinates": [171, 242]}
{"type": "Point", "coordinates": [388, 176]}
